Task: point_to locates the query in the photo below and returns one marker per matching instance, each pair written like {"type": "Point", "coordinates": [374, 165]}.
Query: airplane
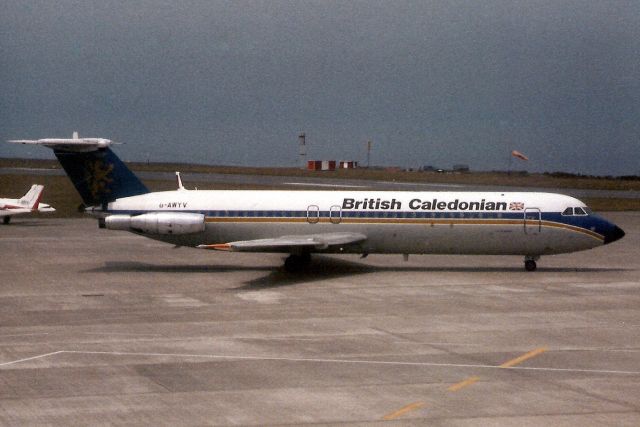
{"type": "Point", "coordinates": [300, 223]}
{"type": "Point", "coordinates": [30, 202]}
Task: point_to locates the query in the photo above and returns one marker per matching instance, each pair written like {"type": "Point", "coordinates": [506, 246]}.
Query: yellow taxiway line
{"type": "Point", "coordinates": [508, 364]}
{"type": "Point", "coordinates": [526, 356]}
{"type": "Point", "coordinates": [410, 407]}
{"type": "Point", "coordinates": [463, 384]}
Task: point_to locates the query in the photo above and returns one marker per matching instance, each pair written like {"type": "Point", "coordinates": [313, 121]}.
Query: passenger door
{"type": "Point", "coordinates": [335, 214]}
{"type": "Point", "coordinates": [313, 214]}
{"type": "Point", "coordinates": [532, 221]}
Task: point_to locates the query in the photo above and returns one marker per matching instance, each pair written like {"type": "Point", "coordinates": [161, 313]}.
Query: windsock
{"type": "Point", "coordinates": [519, 155]}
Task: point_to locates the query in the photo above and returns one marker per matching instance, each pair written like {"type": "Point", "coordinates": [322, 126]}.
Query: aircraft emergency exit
{"type": "Point", "coordinates": [299, 223]}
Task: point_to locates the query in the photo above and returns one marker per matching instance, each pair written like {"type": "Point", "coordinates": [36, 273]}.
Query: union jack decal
{"type": "Point", "coordinates": [516, 206]}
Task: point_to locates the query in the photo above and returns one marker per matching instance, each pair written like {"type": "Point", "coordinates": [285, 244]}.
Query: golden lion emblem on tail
{"type": "Point", "coordinates": [97, 175]}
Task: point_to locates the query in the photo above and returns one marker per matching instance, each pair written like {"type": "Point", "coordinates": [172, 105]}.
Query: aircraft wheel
{"type": "Point", "coordinates": [530, 265]}
{"type": "Point", "coordinates": [6, 219]}
{"type": "Point", "coordinates": [296, 263]}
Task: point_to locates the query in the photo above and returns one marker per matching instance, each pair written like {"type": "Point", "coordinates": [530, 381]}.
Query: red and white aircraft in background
{"type": "Point", "coordinates": [30, 202]}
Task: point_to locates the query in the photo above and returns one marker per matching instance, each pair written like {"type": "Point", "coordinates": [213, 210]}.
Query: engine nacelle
{"type": "Point", "coordinates": [157, 223]}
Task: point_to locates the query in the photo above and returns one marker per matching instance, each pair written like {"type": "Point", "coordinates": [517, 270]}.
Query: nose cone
{"type": "Point", "coordinates": [616, 233]}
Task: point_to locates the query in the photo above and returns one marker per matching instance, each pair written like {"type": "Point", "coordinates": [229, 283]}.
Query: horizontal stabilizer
{"type": "Point", "coordinates": [311, 242]}
{"type": "Point", "coordinates": [42, 207]}
{"type": "Point", "coordinates": [67, 144]}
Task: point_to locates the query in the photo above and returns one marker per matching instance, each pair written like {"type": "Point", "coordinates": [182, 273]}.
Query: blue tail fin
{"type": "Point", "coordinates": [99, 176]}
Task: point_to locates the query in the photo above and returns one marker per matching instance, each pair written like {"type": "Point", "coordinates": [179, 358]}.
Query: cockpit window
{"type": "Point", "coordinates": [568, 211]}
{"type": "Point", "coordinates": [579, 211]}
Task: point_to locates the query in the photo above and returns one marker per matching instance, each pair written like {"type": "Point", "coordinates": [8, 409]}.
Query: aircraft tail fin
{"type": "Point", "coordinates": [31, 200]}
{"type": "Point", "coordinates": [99, 175]}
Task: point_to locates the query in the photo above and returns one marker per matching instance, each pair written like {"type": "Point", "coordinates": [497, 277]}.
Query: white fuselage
{"type": "Point", "coordinates": [393, 222]}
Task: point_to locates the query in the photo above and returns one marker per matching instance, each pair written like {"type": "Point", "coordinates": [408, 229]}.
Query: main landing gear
{"type": "Point", "coordinates": [297, 262]}
{"type": "Point", "coordinates": [530, 263]}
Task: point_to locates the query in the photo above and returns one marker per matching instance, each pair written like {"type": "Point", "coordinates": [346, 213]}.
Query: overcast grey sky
{"type": "Point", "coordinates": [430, 82]}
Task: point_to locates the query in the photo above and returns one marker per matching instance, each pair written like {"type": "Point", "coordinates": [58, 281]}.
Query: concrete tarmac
{"type": "Point", "coordinates": [105, 327]}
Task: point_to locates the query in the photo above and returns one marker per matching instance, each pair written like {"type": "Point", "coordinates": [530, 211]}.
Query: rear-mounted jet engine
{"type": "Point", "coordinates": [157, 223]}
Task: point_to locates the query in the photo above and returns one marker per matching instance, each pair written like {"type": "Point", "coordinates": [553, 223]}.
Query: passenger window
{"type": "Point", "coordinates": [568, 211]}
{"type": "Point", "coordinates": [580, 211]}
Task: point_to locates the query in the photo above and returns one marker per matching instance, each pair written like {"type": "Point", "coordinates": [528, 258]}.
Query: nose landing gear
{"type": "Point", "coordinates": [530, 263]}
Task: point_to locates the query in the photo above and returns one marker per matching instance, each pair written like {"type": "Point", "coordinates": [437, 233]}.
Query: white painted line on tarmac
{"type": "Point", "coordinates": [25, 335]}
{"type": "Point", "coordinates": [310, 184]}
{"type": "Point", "coordinates": [122, 334]}
{"type": "Point", "coordinates": [319, 360]}
{"type": "Point", "coordinates": [439, 343]}
{"type": "Point", "coordinates": [40, 356]}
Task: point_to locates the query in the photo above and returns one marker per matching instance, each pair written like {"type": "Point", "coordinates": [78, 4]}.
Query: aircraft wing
{"type": "Point", "coordinates": [310, 242]}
